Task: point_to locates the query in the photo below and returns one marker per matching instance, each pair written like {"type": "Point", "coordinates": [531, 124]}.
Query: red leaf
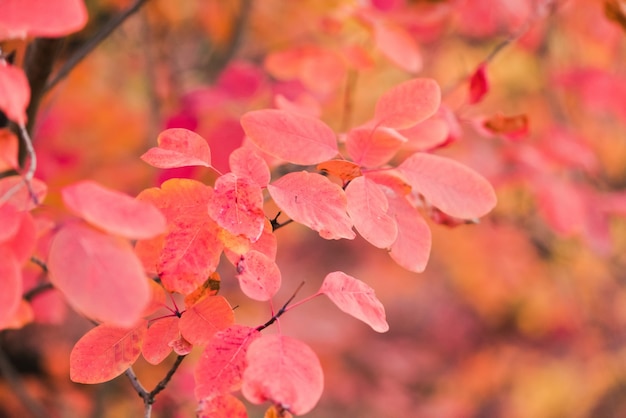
{"type": "Point", "coordinates": [397, 45]}
{"type": "Point", "coordinates": [246, 162]}
{"type": "Point", "coordinates": [226, 406]}
{"type": "Point", "coordinates": [259, 276]}
{"type": "Point", "coordinates": [311, 199]}
{"type": "Point", "coordinates": [344, 169]}
{"type": "Point", "coordinates": [448, 185]}
{"type": "Point", "coordinates": [179, 147]}
{"type": "Point", "coordinates": [284, 371]}
{"type": "Point", "coordinates": [290, 136]}
{"type": "Point", "coordinates": [511, 127]}
{"type": "Point", "coordinates": [237, 206]}
{"type": "Point", "coordinates": [201, 321]}
{"type": "Point", "coordinates": [220, 368]}
{"type": "Point", "coordinates": [14, 90]}
{"type": "Point", "coordinates": [367, 206]}
{"type": "Point", "coordinates": [41, 18]}
{"type": "Point", "coordinates": [408, 103]}
{"type": "Point", "coordinates": [479, 85]}
{"type": "Point", "coordinates": [8, 150]}
{"type": "Point", "coordinates": [355, 298]}
{"type": "Point", "coordinates": [21, 197]}
{"type": "Point", "coordinates": [412, 247]}
{"type": "Point", "coordinates": [113, 211]}
{"type": "Point", "coordinates": [156, 346]}
{"type": "Point", "coordinates": [99, 274]}
{"type": "Point", "coordinates": [190, 250]}
{"type": "Point", "coordinates": [105, 352]}
{"type": "Point", "coordinates": [373, 147]}
{"type": "Point", "coordinates": [11, 293]}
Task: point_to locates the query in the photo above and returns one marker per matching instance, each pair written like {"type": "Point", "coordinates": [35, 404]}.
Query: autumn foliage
{"type": "Point", "coordinates": [274, 181]}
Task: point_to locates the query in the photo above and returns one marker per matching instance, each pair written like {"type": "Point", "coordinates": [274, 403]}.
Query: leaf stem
{"type": "Point", "coordinates": [280, 311]}
{"type": "Point", "coordinates": [30, 173]}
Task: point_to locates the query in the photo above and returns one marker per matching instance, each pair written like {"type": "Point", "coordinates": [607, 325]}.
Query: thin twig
{"type": "Point", "coordinates": [92, 43]}
{"type": "Point", "coordinates": [17, 386]}
{"type": "Point", "coordinates": [37, 290]}
{"type": "Point", "coordinates": [30, 173]}
{"type": "Point", "coordinates": [280, 311]}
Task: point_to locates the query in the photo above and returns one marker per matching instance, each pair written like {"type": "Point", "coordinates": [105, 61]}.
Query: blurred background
{"type": "Point", "coordinates": [522, 315]}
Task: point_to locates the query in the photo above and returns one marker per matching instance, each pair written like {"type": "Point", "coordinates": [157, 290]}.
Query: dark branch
{"type": "Point", "coordinates": [280, 311]}
{"type": "Point", "coordinates": [277, 225]}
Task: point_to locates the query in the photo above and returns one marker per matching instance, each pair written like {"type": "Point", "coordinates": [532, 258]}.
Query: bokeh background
{"type": "Point", "coordinates": [520, 316]}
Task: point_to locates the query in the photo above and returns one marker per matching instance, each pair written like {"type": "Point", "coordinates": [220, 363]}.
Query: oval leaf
{"type": "Point", "coordinates": [344, 169]}
{"type": "Point", "coordinates": [113, 211]}
{"type": "Point", "coordinates": [201, 321]}
{"type": "Point", "coordinates": [284, 371]}
{"type": "Point", "coordinates": [411, 249]}
{"type": "Point", "coordinates": [367, 206]}
{"type": "Point", "coordinates": [373, 147]}
{"type": "Point", "coordinates": [105, 352]}
{"type": "Point", "coordinates": [311, 199]}
{"type": "Point", "coordinates": [220, 368]}
{"type": "Point", "coordinates": [179, 147]}
{"type": "Point", "coordinates": [156, 346]}
{"type": "Point", "coordinates": [449, 186]}
{"type": "Point", "coordinates": [246, 162]}
{"type": "Point", "coordinates": [290, 136]}
{"type": "Point", "coordinates": [355, 298]}
{"type": "Point", "coordinates": [408, 103]}
{"type": "Point", "coordinates": [100, 275]}
{"type": "Point", "coordinates": [259, 276]}
{"type": "Point", "coordinates": [14, 91]}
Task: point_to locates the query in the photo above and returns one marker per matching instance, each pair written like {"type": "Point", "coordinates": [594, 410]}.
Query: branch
{"type": "Point", "coordinates": [27, 145]}
{"type": "Point", "coordinates": [92, 43]}
{"type": "Point", "coordinates": [280, 311]}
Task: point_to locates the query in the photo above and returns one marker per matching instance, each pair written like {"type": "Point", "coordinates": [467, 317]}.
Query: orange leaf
{"type": "Point", "coordinates": [259, 276]}
{"type": "Point", "coordinates": [344, 169]}
{"type": "Point", "coordinates": [221, 366]}
{"type": "Point", "coordinates": [179, 147]}
{"type": "Point", "coordinates": [105, 352]}
{"type": "Point", "coordinates": [99, 275]}
{"type": "Point", "coordinates": [284, 371]}
{"type": "Point", "coordinates": [8, 150]}
{"type": "Point", "coordinates": [226, 406]}
{"type": "Point", "coordinates": [113, 211]}
{"type": "Point", "coordinates": [209, 288]}
{"type": "Point", "coordinates": [408, 103]}
{"type": "Point", "coordinates": [311, 199]}
{"type": "Point", "coordinates": [512, 127]}
{"type": "Point", "coordinates": [355, 298]}
{"type": "Point", "coordinates": [156, 346]}
{"type": "Point", "coordinates": [201, 321]}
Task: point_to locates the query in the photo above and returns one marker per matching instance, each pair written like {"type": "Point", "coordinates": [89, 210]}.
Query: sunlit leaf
{"type": "Point", "coordinates": [367, 206]}
{"type": "Point", "coordinates": [99, 275]}
{"type": "Point", "coordinates": [373, 147]}
{"type": "Point", "coordinates": [156, 346]}
{"type": "Point", "coordinates": [246, 162]}
{"type": "Point", "coordinates": [179, 147]}
{"type": "Point", "coordinates": [237, 206]}
{"type": "Point", "coordinates": [201, 321]}
{"type": "Point", "coordinates": [284, 371]}
{"type": "Point", "coordinates": [105, 352]}
{"type": "Point", "coordinates": [259, 276]}
{"type": "Point", "coordinates": [41, 18]}
{"type": "Point", "coordinates": [292, 137]}
{"type": "Point", "coordinates": [355, 298]}
{"type": "Point", "coordinates": [344, 169]}
{"type": "Point", "coordinates": [224, 406]}
{"type": "Point", "coordinates": [113, 211]}
{"type": "Point", "coordinates": [408, 103]}
{"type": "Point", "coordinates": [448, 185]}
{"type": "Point", "coordinates": [313, 200]}
{"type": "Point", "coordinates": [221, 366]}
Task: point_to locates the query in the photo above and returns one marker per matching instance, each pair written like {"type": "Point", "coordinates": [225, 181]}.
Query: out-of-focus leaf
{"type": "Point", "coordinates": [41, 18]}
{"type": "Point", "coordinates": [397, 45]}
{"type": "Point", "coordinates": [478, 85]}
{"type": "Point", "coordinates": [11, 293]}
{"type": "Point", "coordinates": [14, 90]}
{"type": "Point", "coordinates": [179, 147]}
{"type": "Point", "coordinates": [224, 406]}
{"type": "Point", "coordinates": [411, 249]}
{"type": "Point", "coordinates": [344, 169]}
{"type": "Point", "coordinates": [8, 150]}
{"type": "Point", "coordinates": [408, 103]}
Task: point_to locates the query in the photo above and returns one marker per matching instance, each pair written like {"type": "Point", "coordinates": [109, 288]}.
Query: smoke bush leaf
{"type": "Point", "coordinates": [259, 276]}
{"type": "Point", "coordinates": [373, 147]}
{"type": "Point", "coordinates": [408, 103]}
{"type": "Point", "coordinates": [179, 147]}
{"type": "Point", "coordinates": [14, 91]}
{"type": "Point", "coordinates": [355, 298]}
{"type": "Point", "coordinates": [411, 249]}
{"type": "Point", "coordinates": [41, 18]}
{"type": "Point", "coordinates": [202, 320]}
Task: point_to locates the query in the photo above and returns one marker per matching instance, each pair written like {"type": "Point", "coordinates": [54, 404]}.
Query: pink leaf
{"type": "Point", "coordinates": [14, 91]}
{"type": "Point", "coordinates": [479, 85]}
{"type": "Point", "coordinates": [412, 247]}
{"type": "Point", "coordinates": [290, 136]}
{"type": "Point", "coordinates": [448, 185]}
{"type": "Point", "coordinates": [429, 134]}
{"type": "Point", "coordinates": [237, 206]}
{"type": "Point", "coordinates": [9, 224]}
{"type": "Point", "coordinates": [373, 147]}
{"type": "Point", "coordinates": [113, 211]}
{"type": "Point", "coordinates": [22, 199]}
{"type": "Point", "coordinates": [312, 200]}
{"type": "Point", "coordinates": [8, 150]}
{"type": "Point", "coordinates": [397, 45]}
{"type": "Point", "coordinates": [355, 298]}
{"type": "Point", "coordinates": [408, 103]}
{"type": "Point", "coordinates": [41, 18]}
{"type": "Point", "coordinates": [284, 371]}
{"type": "Point", "coordinates": [179, 147]}
{"type": "Point", "coordinates": [220, 368]}
{"type": "Point", "coordinates": [259, 276]}
{"type": "Point", "coordinates": [367, 206]}
{"type": "Point", "coordinates": [162, 332]}
{"type": "Point", "coordinates": [201, 321]}
{"type": "Point", "coordinates": [105, 352]}
{"type": "Point", "coordinates": [99, 274]}
{"type": "Point", "coordinates": [11, 293]}
{"type": "Point", "coordinates": [190, 250]}
{"type": "Point", "coordinates": [246, 162]}
{"type": "Point", "coordinates": [226, 406]}
{"type": "Point", "coordinates": [24, 239]}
